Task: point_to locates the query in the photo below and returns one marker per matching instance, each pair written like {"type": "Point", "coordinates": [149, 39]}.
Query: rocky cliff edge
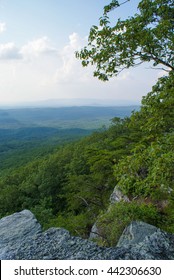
{"type": "Point", "coordinates": [21, 237]}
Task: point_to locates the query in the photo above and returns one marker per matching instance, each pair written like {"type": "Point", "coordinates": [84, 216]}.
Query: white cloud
{"type": "Point", "coordinates": [75, 41]}
{"type": "Point", "coordinates": [28, 51]}
{"type": "Point", "coordinates": [37, 47]}
{"type": "Point", "coordinates": [44, 72]}
{"type": "Point", "coordinates": [9, 51]}
{"type": "Point", "coordinates": [71, 70]}
{"type": "Point", "coordinates": [2, 27]}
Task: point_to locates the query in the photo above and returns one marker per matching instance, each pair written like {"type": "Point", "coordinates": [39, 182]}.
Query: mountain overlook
{"type": "Point", "coordinates": [70, 185]}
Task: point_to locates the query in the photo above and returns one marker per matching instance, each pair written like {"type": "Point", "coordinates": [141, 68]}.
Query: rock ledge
{"type": "Point", "coordinates": [21, 238]}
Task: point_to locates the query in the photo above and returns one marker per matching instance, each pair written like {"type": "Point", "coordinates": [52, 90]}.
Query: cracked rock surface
{"type": "Point", "coordinates": [21, 238]}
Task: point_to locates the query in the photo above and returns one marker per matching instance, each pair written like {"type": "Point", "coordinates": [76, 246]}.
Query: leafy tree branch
{"type": "Point", "coordinates": [146, 36]}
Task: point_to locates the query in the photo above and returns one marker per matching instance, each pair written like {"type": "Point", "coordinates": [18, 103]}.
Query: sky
{"type": "Point", "coordinates": [38, 39]}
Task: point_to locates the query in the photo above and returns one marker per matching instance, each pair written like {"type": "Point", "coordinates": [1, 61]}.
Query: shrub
{"type": "Point", "coordinates": [112, 223]}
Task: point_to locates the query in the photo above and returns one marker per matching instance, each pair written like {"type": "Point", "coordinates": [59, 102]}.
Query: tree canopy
{"type": "Point", "coordinates": [146, 36]}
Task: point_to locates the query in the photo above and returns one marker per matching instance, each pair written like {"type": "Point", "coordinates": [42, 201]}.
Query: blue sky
{"type": "Point", "coordinates": [38, 39]}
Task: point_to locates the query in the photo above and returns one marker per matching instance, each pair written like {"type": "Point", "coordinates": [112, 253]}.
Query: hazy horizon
{"type": "Point", "coordinates": [71, 103]}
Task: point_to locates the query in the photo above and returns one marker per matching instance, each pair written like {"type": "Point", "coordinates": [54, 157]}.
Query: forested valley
{"type": "Point", "coordinates": [28, 133]}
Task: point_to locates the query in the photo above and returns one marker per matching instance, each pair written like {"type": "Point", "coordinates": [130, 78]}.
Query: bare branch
{"type": "Point", "coordinates": [124, 2]}
{"type": "Point", "coordinates": [158, 68]}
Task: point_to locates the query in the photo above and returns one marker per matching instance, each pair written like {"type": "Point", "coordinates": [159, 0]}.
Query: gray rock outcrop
{"type": "Point", "coordinates": [15, 229]}
{"type": "Point", "coordinates": [146, 240]}
{"type": "Point", "coordinates": [94, 232]}
{"type": "Point", "coordinates": [115, 197]}
{"type": "Point", "coordinates": [21, 238]}
{"type": "Point", "coordinates": [118, 196]}
{"type": "Point", "coordinates": [135, 233]}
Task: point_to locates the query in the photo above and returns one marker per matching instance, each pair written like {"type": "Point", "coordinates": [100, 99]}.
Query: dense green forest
{"type": "Point", "coordinates": [84, 117]}
{"type": "Point", "coordinates": [19, 146]}
{"type": "Point", "coordinates": [28, 133]}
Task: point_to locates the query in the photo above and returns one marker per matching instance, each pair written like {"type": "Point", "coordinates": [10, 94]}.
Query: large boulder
{"type": "Point", "coordinates": [15, 229]}
{"type": "Point", "coordinates": [145, 241]}
{"type": "Point", "coordinates": [21, 238]}
{"type": "Point", "coordinates": [135, 233]}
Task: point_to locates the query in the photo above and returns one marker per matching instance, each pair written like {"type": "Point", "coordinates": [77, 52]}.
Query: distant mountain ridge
{"type": "Point", "coordinates": [71, 102]}
{"type": "Point", "coordinates": [74, 116]}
